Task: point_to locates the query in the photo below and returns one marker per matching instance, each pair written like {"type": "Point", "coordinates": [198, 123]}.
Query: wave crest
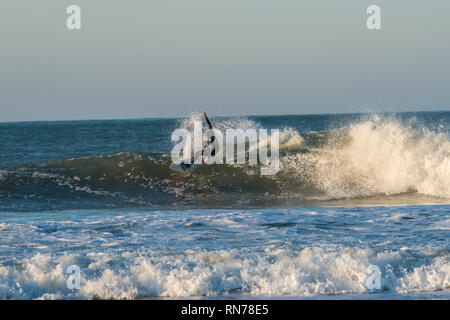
{"type": "Point", "coordinates": [376, 157]}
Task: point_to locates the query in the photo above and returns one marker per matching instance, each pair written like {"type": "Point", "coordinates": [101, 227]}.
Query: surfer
{"type": "Point", "coordinates": [209, 145]}
{"type": "Point", "coordinates": [211, 137]}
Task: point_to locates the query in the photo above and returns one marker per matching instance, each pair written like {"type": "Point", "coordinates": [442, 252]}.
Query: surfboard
{"type": "Point", "coordinates": [179, 166]}
{"type": "Point", "coordinates": [182, 168]}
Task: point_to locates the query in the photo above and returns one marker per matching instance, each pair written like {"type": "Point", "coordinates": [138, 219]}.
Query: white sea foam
{"type": "Point", "coordinates": [309, 272]}
{"type": "Point", "coordinates": [377, 157]}
{"type": "Point", "coordinates": [290, 139]}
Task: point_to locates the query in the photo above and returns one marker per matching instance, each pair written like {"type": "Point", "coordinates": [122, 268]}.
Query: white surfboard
{"type": "Point", "coordinates": [185, 165]}
{"type": "Point", "coordinates": [183, 168]}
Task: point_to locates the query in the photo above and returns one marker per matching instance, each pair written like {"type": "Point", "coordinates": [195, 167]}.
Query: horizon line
{"type": "Point", "coordinates": [225, 116]}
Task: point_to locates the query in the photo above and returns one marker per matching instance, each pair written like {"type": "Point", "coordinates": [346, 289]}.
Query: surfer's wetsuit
{"type": "Point", "coordinates": [212, 138]}
{"type": "Point", "coordinates": [210, 141]}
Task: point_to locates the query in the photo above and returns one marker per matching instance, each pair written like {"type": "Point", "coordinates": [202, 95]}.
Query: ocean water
{"type": "Point", "coordinates": [353, 191]}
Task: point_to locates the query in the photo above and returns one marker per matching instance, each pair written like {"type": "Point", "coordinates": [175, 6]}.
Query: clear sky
{"type": "Point", "coordinates": [167, 58]}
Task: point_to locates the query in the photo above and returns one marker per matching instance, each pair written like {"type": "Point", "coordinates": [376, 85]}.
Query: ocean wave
{"type": "Point", "coordinates": [372, 158]}
{"type": "Point", "coordinates": [312, 271]}
{"type": "Point", "coordinates": [375, 157]}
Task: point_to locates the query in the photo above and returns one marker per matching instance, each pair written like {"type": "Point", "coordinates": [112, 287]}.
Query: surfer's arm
{"type": "Point", "coordinates": [207, 120]}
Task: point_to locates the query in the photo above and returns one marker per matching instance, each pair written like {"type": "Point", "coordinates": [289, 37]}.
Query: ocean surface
{"type": "Point", "coordinates": [354, 192]}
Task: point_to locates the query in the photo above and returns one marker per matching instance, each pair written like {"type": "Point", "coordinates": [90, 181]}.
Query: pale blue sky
{"type": "Point", "coordinates": [167, 58]}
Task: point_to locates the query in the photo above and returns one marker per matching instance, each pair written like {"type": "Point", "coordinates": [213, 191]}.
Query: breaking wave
{"type": "Point", "coordinates": [312, 271]}
{"type": "Point", "coordinates": [372, 158]}
{"type": "Point", "coordinates": [375, 157]}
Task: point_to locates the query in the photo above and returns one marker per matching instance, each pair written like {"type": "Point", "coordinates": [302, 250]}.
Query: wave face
{"type": "Point", "coordinates": [364, 158]}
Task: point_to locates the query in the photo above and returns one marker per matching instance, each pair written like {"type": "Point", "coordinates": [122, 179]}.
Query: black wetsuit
{"type": "Point", "coordinates": [211, 140]}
